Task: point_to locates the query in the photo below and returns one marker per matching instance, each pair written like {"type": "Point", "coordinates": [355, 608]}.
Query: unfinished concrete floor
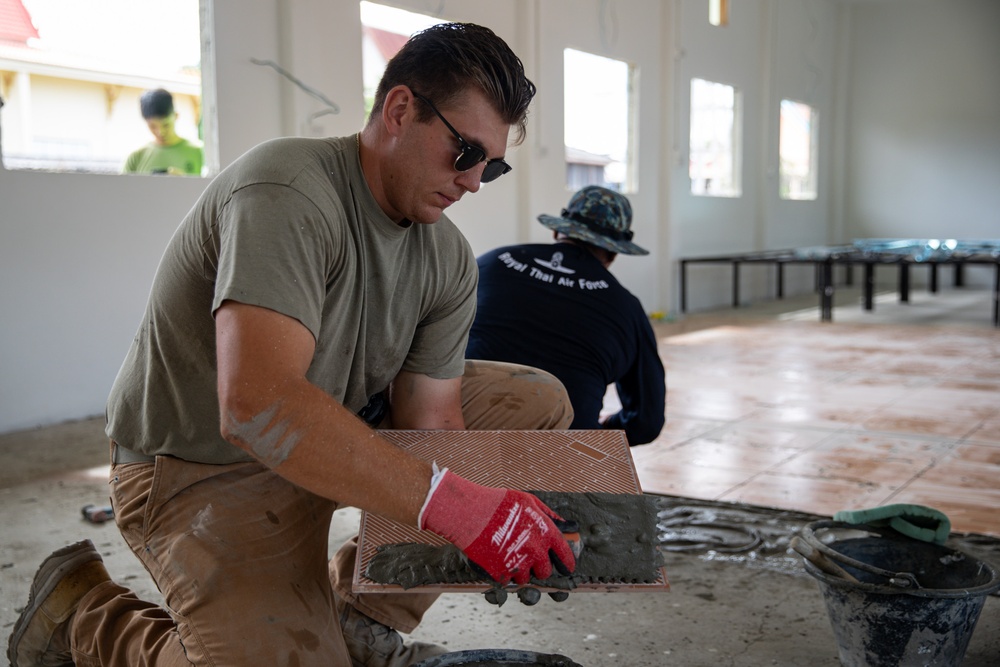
{"type": "Point", "coordinates": [728, 605]}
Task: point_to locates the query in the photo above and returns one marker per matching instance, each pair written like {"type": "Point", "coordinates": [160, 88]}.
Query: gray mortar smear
{"type": "Point", "coordinates": [497, 658]}
{"type": "Point", "coordinates": [272, 444]}
{"type": "Point", "coordinates": [759, 537]}
{"type": "Point", "coordinates": [618, 532]}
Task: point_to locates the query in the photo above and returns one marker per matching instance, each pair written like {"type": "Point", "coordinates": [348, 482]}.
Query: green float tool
{"type": "Point", "coordinates": [917, 521]}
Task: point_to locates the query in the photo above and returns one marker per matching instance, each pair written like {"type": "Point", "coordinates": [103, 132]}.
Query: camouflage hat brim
{"type": "Point", "coordinates": [576, 230]}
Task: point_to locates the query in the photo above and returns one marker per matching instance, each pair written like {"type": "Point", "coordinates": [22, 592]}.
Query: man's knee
{"type": "Point", "coordinates": [497, 395]}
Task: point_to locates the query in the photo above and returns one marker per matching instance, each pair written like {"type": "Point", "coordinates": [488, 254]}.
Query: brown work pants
{"type": "Point", "coordinates": [241, 556]}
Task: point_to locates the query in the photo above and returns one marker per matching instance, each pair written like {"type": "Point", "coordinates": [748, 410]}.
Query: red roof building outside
{"type": "Point", "coordinates": [387, 43]}
{"type": "Point", "coordinates": [15, 23]}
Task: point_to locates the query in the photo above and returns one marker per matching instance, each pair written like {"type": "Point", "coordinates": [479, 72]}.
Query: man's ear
{"type": "Point", "coordinates": [397, 109]}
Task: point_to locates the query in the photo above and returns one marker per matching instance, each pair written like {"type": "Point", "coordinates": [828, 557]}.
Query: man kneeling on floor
{"type": "Point", "coordinates": [558, 307]}
{"type": "Point", "coordinates": [315, 293]}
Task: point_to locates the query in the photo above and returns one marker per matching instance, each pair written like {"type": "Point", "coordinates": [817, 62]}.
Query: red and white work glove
{"type": "Point", "coordinates": [508, 533]}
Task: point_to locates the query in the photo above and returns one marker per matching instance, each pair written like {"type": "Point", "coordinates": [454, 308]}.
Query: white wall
{"type": "Point", "coordinates": [924, 135]}
{"type": "Point", "coordinates": [78, 252]}
{"type": "Point", "coordinates": [769, 51]}
{"type": "Point", "coordinates": [626, 31]}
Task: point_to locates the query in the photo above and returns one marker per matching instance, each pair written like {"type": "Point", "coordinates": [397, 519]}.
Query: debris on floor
{"type": "Point", "coordinates": [98, 514]}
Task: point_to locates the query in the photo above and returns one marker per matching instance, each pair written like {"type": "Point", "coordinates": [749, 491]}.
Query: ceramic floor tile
{"type": "Point", "coordinates": [893, 385]}
{"type": "Point", "coordinates": [963, 475]}
{"type": "Point", "coordinates": [676, 431]}
{"type": "Point", "coordinates": [884, 459]}
{"type": "Point", "coordinates": [806, 494]}
{"type": "Point", "coordinates": [750, 434]}
{"type": "Point", "coordinates": [970, 384]}
{"type": "Point", "coordinates": [736, 454]}
{"type": "Point", "coordinates": [667, 477]}
{"type": "Point", "coordinates": [643, 455]}
{"type": "Point", "coordinates": [813, 415]}
{"type": "Point", "coordinates": [818, 417]}
{"type": "Point", "coordinates": [803, 375]}
{"type": "Point", "coordinates": [848, 395]}
{"type": "Point", "coordinates": [708, 375]}
{"type": "Point", "coordinates": [758, 389]}
{"type": "Point", "coordinates": [987, 432]}
{"type": "Point", "coordinates": [707, 404]}
{"type": "Point", "coordinates": [920, 366]}
{"type": "Point", "coordinates": [984, 372]}
{"type": "Point", "coordinates": [774, 388]}
{"type": "Point", "coordinates": [922, 422]}
{"type": "Point", "coordinates": [951, 402]}
{"type": "Point", "coordinates": [984, 455]}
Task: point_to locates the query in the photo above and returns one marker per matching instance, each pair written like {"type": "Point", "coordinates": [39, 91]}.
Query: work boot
{"type": "Point", "coordinates": [41, 634]}
{"type": "Point", "coordinates": [372, 644]}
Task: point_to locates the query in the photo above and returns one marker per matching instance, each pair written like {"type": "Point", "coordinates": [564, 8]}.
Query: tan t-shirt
{"type": "Point", "coordinates": [292, 226]}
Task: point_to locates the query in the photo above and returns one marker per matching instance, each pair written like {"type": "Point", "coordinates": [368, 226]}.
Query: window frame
{"type": "Point", "coordinates": [735, 157]}
{"type": "Point", "coordinates": [589, 162]}
{"type": "Point", "coordinates": [813, 150]}
{"type": "Point", "coordinates": [109, 94]}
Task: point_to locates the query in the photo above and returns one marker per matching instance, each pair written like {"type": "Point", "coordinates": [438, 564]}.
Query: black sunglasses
{"type": "Point", "coordinates": [470, 155]}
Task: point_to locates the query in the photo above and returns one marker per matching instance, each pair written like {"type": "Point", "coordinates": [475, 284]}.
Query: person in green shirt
{"type": "Point", "coordinates": [168, 153]}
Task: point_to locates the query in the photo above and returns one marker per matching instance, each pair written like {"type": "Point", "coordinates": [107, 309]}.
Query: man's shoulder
{"type": "Point", "coordinates": [301, 145]}
{"type": "Point", "coordinates": [282, 160]}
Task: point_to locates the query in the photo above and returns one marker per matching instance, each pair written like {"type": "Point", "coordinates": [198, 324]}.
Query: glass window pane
{"type": "Point", "coordinates": [599, 131]}
{"type": "Point", "coordinates": [797, 151]}
{"type": "Point", "coordinates": [715, 146]}
{"type": "Point", "coordinates": [72, 74]}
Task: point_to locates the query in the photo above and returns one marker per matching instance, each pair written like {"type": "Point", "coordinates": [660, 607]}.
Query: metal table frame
{"type": "Point", "coordinates": [903, 253]}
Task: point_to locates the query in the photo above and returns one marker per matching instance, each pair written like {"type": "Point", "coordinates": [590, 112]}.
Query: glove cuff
{"type": "Point", "coordinates": [437, 474]}
{"type": "Point", "coordinates": [457, 509]}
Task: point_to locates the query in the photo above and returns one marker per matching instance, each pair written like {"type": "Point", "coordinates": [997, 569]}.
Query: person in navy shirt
{"type": "Point", "coordinates": [557, 307]}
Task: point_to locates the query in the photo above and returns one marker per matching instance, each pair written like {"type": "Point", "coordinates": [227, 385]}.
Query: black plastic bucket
{"type": "Point", "coordinates": [914, 603]}
{"type": "Point", "coordinates": [497, 657]}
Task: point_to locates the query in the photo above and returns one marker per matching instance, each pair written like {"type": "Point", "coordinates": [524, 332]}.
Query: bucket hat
{"type": "Point", "coordinates": [597, 216]}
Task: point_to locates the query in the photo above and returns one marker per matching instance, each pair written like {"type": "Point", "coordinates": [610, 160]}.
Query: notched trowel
{"type": "Point", "coordinates": [615, 544]}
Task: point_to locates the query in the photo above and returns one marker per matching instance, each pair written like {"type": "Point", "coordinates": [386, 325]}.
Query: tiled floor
{"type": "Point", "coordinates": [765, 406]}
{"type": "Point", "coordinates": [769, 406]}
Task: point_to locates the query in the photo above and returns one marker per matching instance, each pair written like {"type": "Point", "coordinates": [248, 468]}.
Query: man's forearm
{"type": "Point", "coordinates": [316, 443]}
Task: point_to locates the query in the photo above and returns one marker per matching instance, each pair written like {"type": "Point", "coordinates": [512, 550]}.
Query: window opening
{"type": "Point", "coordinates": [72, 73]}
{"type": "Point", "coordinates": [718, 12]}
{"type": "Point", "coordinates": [384, 31]}
{"type": "Point", "coordinates": [797, 141]}
{"type": "Point", "coordinates": [714, 161]}
{"type": "Point", "coordinates": [599, 113]}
